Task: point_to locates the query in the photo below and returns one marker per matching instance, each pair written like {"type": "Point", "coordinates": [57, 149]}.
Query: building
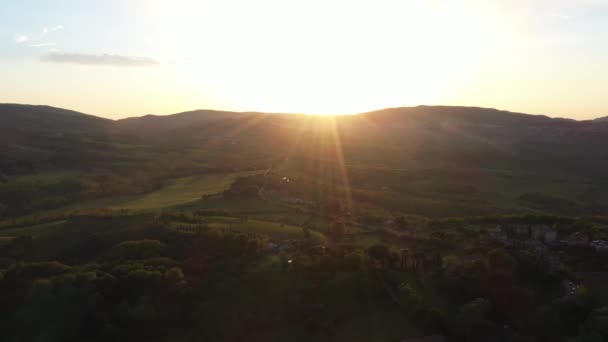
{"type": "Point", "coordinates": [497, 234]}
{"type": "Point", "coordinates": [522, 230]}
{"type": "Point", "coordinates": [552, 260]}
{"type": "Point", "coordinates": [538, 231]}
{"type": "Point", "coordinates": [433, 338]}
{"type": "Point", "coordinates": [578, 239]}
{"type": "Point", "coordinates": [550, 236]}
{"type": "Point", "coordinates": [600, 246]}
{"type": "Point", "coordinates": [534, 246]}
{"type": "Point", "coordinates": [569, 288]}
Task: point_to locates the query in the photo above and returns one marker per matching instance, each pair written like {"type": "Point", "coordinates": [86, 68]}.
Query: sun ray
{"type": "Point", "coordinates": [334, 132]}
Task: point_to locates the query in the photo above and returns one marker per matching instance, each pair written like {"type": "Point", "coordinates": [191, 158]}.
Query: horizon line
{"type": "Point", "coordinates": [305, 114]}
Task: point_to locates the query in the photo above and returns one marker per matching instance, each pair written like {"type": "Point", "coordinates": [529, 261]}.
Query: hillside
{"type": "Point", "coordinates": [154, 124]}
{"type": "Point", "coordinates": [419, 160]}
{"type": "Point", "coordinates": [29, 119]}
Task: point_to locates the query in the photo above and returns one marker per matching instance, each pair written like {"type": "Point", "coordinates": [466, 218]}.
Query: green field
{"type": "Point", "coordinates": [34, 230]}
{"type": "Point", "coordinates": [258, 227]}
{"type": "Point", "coordinates": [249, 226]}
{"type": "Point", "coordinates": [173, 192]}
{"type": "Point", "coordinates": [243, 206]}
{"type": "Point", "coordinates": [272, 229]}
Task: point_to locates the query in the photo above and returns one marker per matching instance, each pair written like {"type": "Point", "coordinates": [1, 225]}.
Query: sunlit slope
{"type": "Point", "coordinates": [173, 192]}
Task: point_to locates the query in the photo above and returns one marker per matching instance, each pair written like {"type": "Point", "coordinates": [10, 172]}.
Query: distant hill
{"type": "Point", "coordinates": [46, 119]}
{"type": "Point", "coordinates": [602, 119]}
{"type": "Point", "coordinates": [18, 123]}
{"type": "Point", "coordinates": [471, 115]}
{"type": "Point", "coordinates": [38, 137]}
{"type": "Point", "coordinates": [439, 157]}
{"type": "Point", "coordinates": [152, 124]}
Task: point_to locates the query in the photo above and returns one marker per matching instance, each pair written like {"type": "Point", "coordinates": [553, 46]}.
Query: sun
{"type": "Point", "coordinates": [300, 58]}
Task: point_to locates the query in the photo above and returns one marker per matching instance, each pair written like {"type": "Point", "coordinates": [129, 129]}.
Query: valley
{"type": "Point", "coordinates": [464, 224]}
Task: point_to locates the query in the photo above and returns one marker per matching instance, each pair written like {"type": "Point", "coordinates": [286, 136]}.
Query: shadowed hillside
{"type": "Point", "coordinates": [419, 160]}
{"type": "Point", "coordinates": [44, 119]}
{"type": "Point", "coordinates": [154, 124]}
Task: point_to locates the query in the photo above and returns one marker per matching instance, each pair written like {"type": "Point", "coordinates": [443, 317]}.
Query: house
{"type": "Point", "coordinates": [494, 233]}
{"type": "Point", "coordinates": [472, 259]}
{"type": "Point", "coordinates": [538, 231]}
{"type": "Point", "coordinates": [600, 246]}
{"type": "Point", "coordinates": [534, 246]}
{"type": "Point", "coordinates": [578, 239]}
{"type": "Point", "coordinates": [569, 288]}
{"type": "Point", "coordinates": [278, 246]}
{"type": "Point", "coordinates": [318, 250]}
{"type": "Point", "coordinates": [434, 338]}
{"type": "Point", "coordinates": [497, 234]}
{"type": "Point", "coordinates": [521, 230]}
{"type": "Point", "coordinates": [272, 246]}
{"type": "Point", "coordinates": [550, 236]}
{"type": "Point", "coordinates": [295, 200]}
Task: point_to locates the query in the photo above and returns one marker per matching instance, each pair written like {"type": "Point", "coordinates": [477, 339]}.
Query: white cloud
{"type": "Point", "coordinates": [558, 15]}
{"type": "Point", "coordinates": [21, 38]}
{"type": "Point", "coordinates": [46, 30]}
{"type": "Point", "coordinates": [105, 59]}
{"type": "Point", "coordinates": [42, 45]}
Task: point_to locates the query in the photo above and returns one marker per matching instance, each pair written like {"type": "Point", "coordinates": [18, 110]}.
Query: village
{"type": "Point", "coordinates": [542, 238]}
{"type": "Point", "coordinates": [552, 244]}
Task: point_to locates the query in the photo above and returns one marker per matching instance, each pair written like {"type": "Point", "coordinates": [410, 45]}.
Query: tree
{"type": "Point", "coordinates": [174, 275]}
{"type": "Point", "coordinates": [452, 263]}
{"type": "Point", "coordinates": [410, 297]}
{"type": "Point", "coordinates": [596, 326]}
{"type": "Point", "coordinates": [140, 249]}
{"type": "Point", "coordinates": [400, 222]}
{"type": "Point", "coordinates": [582, 225]}
{"type": "Point", "coordinates": [19, 247]}
{"type": "Point", "coordinates": [337, 229]}
{"type": "Point", "coordinates": [500, 259]}
{"type": "Point", "coordinates": [571, 314]}
{"type": "Point", "coordinates": [379, 252]}
{"type": "Point", "coordinates": [479, 307]}
{"type": "Point", "coordinates": [306, 232]}
{"type": "Point", "coordinates": [403, 258]}
{"type": "Point", "coordinates": [474, 321]}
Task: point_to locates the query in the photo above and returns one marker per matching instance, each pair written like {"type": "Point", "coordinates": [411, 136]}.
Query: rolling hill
{"type": "Point", "coordinates": [426, 160]}
{"type": "Point", "coordinates": [602, 119]}
{"type": "Point", "coordinates": [28, 119]}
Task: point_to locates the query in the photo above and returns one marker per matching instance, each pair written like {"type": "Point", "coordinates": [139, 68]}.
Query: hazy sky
{"type": "Point", "coordinates": [118, 58]}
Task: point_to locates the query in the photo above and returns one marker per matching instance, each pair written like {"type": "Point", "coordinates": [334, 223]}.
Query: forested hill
{"type": "Point", "coordinates": [35, 137]}
{"type": "Point", "coordinates": [151, 124]}
{"type": "Point", "coordinates": [429, 152]}
{"type": "Point", "coordinates": [42, 120]}
{"type": "Point", "coordinates": [46, 119]}
{"type": "Point", "coordinates": [42, 137]}
{"type": "Point", "coordinates": [602, 119]}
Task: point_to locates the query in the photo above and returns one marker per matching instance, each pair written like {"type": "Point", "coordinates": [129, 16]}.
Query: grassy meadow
{"type": "Point", "coordinates": [172, 192]}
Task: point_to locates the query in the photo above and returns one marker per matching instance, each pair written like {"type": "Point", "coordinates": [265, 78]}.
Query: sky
{"type": "Point", "coordinates": [120, 58]}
